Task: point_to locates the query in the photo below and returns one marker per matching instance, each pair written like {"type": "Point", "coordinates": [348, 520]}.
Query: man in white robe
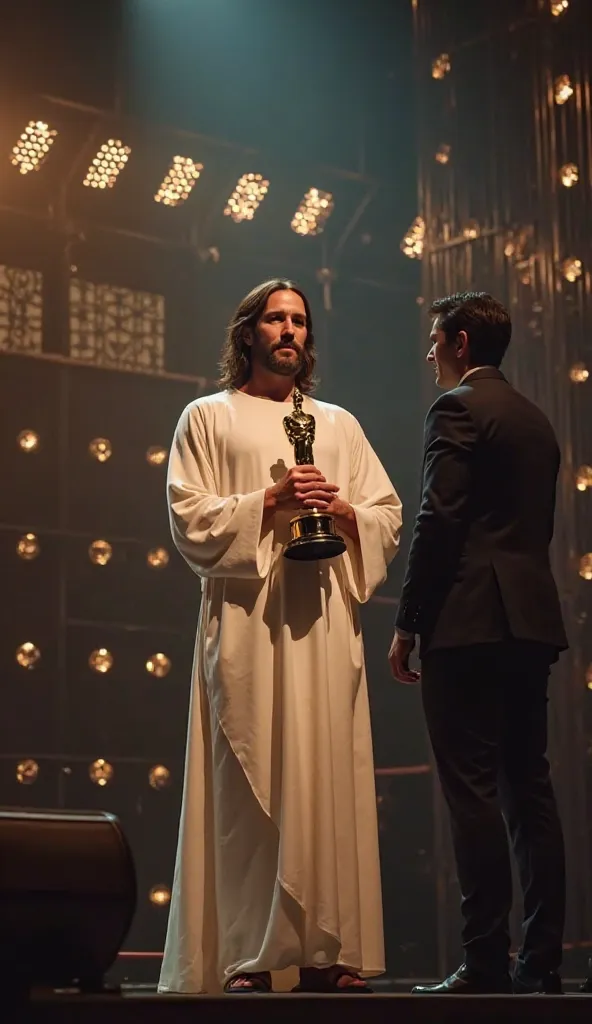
{"type": "Point", "coordinates": [277, 861]}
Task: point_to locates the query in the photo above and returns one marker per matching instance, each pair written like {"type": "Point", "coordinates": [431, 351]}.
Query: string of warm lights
{"type": "Point", "coordinates": [101, 660]}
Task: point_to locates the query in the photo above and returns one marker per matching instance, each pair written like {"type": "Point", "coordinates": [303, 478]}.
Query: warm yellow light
{"type": "Point", "coordinates": [441, 66]}
{"type": "Point", "coordinates": [586, 566]}
{"type": "Point", "coordinates": [413, 242]}
{"type": "Point", "coordinates": [28, 547]}
{"type": "Point", "coordinates": [101, 772]}
{"type": "Point", "coordinates": [27, 772]}
{"type": "Point", "coordinates": [160, 895]}
{"type": "Point", "coordinates": [157, 558]}
{"type": "Point", "coordinates": [107, 164]}
{"type": "Point", "coordinates": [563, 89]}
{"type": "Point", "coordinates": [571, 268]}
{"type": "Point", "coordinates": [584, 478]}
{"type": "Point", "coordinates": [28, 441]}
{"type": "Point", "coordinates": [443, 153]}
{"type": "Point", "coordinates": [100, 552]}
{"type": "Point", "coordinates": [156, 455]}
{"type": "Point", "coordinates": [569, 175]}
{"type": "Point", "coordinates": [313, 212]}
{"type": "Point", "coordinates": [178, 183]}
{"type": "Point", "coordinates": [247, 197]}
{"type": "Point", "coordinates": [33, 146]}
{"type": "Point", "coordinates": [471, 229]}
{"type": "Point", "coordinates": [159, 776]}
{"type": "Point", "coordinates": [101, 660]}
{"type": "Point", "coordinates": [158, 665]}
{"type": "Point", "coordinates": [100, 449]}
{"type": "Point", "coordinates": [589, 676]}
{"type": "Point", "coordinates": [579, 373]}
{"type": "Point", "coordinates": [27, 655]}
{"type": "Point", "coordinates": [558, 7]}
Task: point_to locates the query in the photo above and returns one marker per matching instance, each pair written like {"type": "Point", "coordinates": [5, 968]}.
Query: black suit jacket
{"type": "Point", "coordinates": [478, 568]}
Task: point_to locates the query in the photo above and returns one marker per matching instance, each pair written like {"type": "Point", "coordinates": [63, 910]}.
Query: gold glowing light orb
{"type": "Point", "coordinates": [27, 772]}
{"type": "Point", "coordinates": [101, 772]}
{"type": "Point", "coordinates": [563, 89]}
{"type": "Point", "coordinates": [157, 558]}
{"type": "Point", "coordinates": [101, 660]}
{"type": "Point", "coordinates": [471, 229]}
{"type": "Point", "coordinates": [156, 455]}
{"type": "Point", "coordinates": [178, 183]}
{"type": "Point", "coordinates": [160, 895]}
{"type": "Point", "coordinates": [569, 175]}
{"type": "Point", "coordinates": [28, 547]}
{"type": "Point", "coordinates": [586, 566]}
{"type": "Point", "coordinates": [159, 777]}
{"type": "Point", "coordinates": [100, 552]}
{"type": "Point", "coordinates": [443, 153]}
{"type": "Point", "coordinates": [28, 441]}
{"type": "Point", "coordinates": [158, 665]}
{"type": "Point", "coordinates": [107, 164]}
{"type": "Point", "coordinates": [247, 197]}
{"type": "Point", "coordinates": [100, 449]}
{"type": "Point", "coordinates": [27, 655]}
{"type": "Point", "coordinates": [579, 373]}
{"type": "Point", "coordinates": [584, 478]}
{"type": "Point", "coordinates": [571, 268]}
{"type": "Point", "coordinates": [33, 146]}
{"type": "Point", "coordinates": [558, 7]}
{"type": "Point", "coordinates": [441, 66]}
{"type": "Point", "coordinates": [589, 676]}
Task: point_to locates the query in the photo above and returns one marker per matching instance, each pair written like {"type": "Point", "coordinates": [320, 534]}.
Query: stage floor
{"type": "Point", "coordinates": [142, 1007]}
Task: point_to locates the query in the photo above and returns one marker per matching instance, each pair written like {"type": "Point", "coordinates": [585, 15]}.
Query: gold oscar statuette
{"type": "Point", "coordinates": [313, 534]}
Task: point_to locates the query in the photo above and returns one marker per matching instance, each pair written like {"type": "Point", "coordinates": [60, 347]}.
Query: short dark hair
{"type": "Point", "coordinates": [235, 361]}
{"type": "Point", "coordinates": [485, 320]}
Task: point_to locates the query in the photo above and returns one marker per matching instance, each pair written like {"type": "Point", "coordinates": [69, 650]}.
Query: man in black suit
{"type": "Point", "coordinates": [480, 594]}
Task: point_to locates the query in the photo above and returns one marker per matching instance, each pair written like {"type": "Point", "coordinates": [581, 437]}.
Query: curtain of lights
{"type": "Point", "coordinates": [505, 205]}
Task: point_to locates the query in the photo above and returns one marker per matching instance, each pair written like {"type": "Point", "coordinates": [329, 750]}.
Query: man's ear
{"type": "Point", "coordinates": [462, 344]}
{"type": "Point", "coordinates": [247, 336]}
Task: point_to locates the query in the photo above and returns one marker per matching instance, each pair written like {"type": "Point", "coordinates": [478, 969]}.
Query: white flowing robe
{"type": "Point", "coordinates": [277, 860]}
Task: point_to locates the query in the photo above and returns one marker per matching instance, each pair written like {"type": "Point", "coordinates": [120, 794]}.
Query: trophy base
{"type": "Point", "coordinates": [313, 538]}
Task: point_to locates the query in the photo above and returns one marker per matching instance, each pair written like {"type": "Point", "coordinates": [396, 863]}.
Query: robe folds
{"type": "Point", "coordinates": [277, 859]}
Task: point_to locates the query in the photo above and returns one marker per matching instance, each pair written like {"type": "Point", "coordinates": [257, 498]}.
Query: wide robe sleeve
{"type": "Point", "coordinates": [219, 536]}
{"type": "Point", "coordinates": [377, 508]}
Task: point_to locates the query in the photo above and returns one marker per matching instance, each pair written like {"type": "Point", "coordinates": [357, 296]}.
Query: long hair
{"type": "Point", "coordinates": [235, 360]}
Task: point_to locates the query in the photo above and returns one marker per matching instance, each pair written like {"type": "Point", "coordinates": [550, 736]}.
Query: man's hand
{"type": "Point", "coordinates": [398, 657]}
{"type": "Point", "coordinates": [301, 487]}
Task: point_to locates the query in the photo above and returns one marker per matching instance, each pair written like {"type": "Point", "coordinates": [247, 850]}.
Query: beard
{"type": "Point", "coordinates": [284, 365]}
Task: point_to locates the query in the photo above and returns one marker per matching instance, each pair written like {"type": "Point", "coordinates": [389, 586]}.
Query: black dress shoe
{"type": "Point", "coordinates": [466, 982]}
{"type": "Point", "coordinates": [548, 984]}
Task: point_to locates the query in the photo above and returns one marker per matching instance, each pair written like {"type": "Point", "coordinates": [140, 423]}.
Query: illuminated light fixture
{"type": "Point", "coordinates": [101, 772]}
{"type": "Point", "coordinates": [156, 455]}
{"type": "Point", "coordinates": [584, 478]}
{"type": "Point", "coordinates": [101, 660]}
{"type": "Point", "coordinates": [100, 449]}
{"type": "Point", "coordinates": [33, 146]}
{"type": "Point", "coordinates": [586, 566]}
{"type": "Point", "coordinates": [107, 164]}
{"type": "Point", "coordinates": [100, 552]}
{"type": "Point", "coordinates": [28, 547]}
{"type": "Point", "coordinates": [27, 772]}
{"type": "Point", "coordinates": [563, 89]}
{"type": "Point", "coordinates": [158, 665]}
{"type": "Point", "coordinates": [27, 655]}
{"type": "Point", "coordinates": [589, 676]}
{"type": "Point", "coordinates": [160, 895]}
{"type": "Point", "coordinates": [579, 373]}
{"type": "Point", "coordinates": [569, 175]}
{"type": "Point", "coordinates": [471, 230]}
{"type": "Point", "coordinates": [413, 242]}
{"type": "Point", "coordinates": [558, 7]}
{"type": "Point", "coordinates": [524, 270]}
{"type": "Point", "coordinates": [157, 558]}
{"type": "Point", "coordinates": [313, 212]}
{"type": "Point", "coordinates": [441, 66]}
{"type": "Point", "coordinates": [247, 197]}
{"type": "Point", "coordinates": [571, 268]}
{"type": "Point", "coordinates": [28, 441]}
{"type": "Point", "coordinates": [159, 776]}
{"type": "Point", "coordinates": [443, 153]}
{"type": "Point", "coordinates": [178, 183]}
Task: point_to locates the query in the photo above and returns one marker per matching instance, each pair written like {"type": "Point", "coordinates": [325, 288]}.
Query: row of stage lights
{"type": "Point", "coordinates": [35, 142]}
{"type": "Point", "coordinates": [100, 552]}
{"type": "Point", "coordinates": [101, 660]}
{"type": "Point", "coordinates": [413, 243]}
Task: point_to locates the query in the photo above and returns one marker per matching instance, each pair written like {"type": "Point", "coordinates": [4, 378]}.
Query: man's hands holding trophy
{"type": "Point", "coordinates": [302, 487]}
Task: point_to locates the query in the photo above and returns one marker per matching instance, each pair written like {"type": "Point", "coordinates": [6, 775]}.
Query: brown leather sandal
{"type": "Point", "coordinates": [327, 981]}
{"type": "Point", "coordinates": [259, 983]}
